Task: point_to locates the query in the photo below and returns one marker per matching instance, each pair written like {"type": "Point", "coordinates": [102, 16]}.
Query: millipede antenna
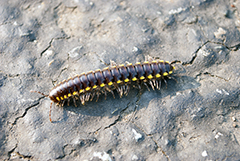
{"type": "Point", "coordinates": [39, 93]}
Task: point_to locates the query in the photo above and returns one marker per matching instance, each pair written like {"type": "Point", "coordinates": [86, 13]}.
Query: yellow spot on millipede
{"type": "Point", "coordinates": [158, 75]}
{"type": "Point", "coordinates": [150, 76]}
{"type": "Point", "coordinates": [65, 96]}
{"type": "Point", "coordinates": [161, 61]}
{"type": "Point", "coordinates": [119, 81]}
{"type": "Point", "coordinates": [102, 85]}
{"type": "Point", "coordinates": [146, 62]}
{"type": "Point", "coordinates": [165, 74]}
{"type": "Point", "coordinates": [134, 79]}
{"type": "Point", "coordinates": [142, 77]}
{"type": "Point", "coordinates": [170, 72]}
{"type": "Point", "coordinates": [110, 83]}
{"type": "Point", "coordinates": [61, 98]}
{"type": "Point", "coordinates": [121, 65]}
{"type": "Point", "coordinates": [81, 91]}
{"type": "Point", "coordinates": [58, 98]}
{"type": "Point", "coordinates": [167, 62]}
{"type": "Point", "coordinates": [74, 93]}
{"type": "Point", "coordinates": [94, 87]}
{"type": "Point", "coordinates": [129, 64]}
{"type": "Point", "coordinates": [87, 89]}
{"type": "Point", "coordinates": [69, 94]}
{"type": "Point", "coordinates": [126, 80]}
{"type": "Point", "coordinates": [138, 63]}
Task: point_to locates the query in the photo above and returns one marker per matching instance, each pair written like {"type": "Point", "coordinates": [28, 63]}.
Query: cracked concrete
{"type": "Point", "coordinates": [195, 117]}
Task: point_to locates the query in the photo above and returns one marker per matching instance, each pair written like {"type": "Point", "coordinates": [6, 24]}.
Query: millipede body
{"type": "Point", "coordinates": [116, 77]}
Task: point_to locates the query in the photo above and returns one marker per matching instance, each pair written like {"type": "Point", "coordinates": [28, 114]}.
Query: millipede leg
{"type": "Point", "coordinates": [113, 63]}
{"type": "Point", "coordinates": [152, 84]}
{"type": "Point", "coordinates": [82, 99]}
{"type": "Point", "coordinates": [50, 110]}
{"type": "Point", "coordinates": [139, 86]}
{"type": "Point", "coordinates": [120, 91]}
{"type": "Point", "coordinates": [165, 82]}
{"type": "Point", "coordinates": [109, 90]}
{"type": "Point", "coordinates": [105, 93]}
{"type": "Point", "coordinates": [126, 90]}
{"type": "Point", "coordinates": [74, 101]}
{"type": "Point", "coordinates": [93, 95]}
{"type": "Point", "coordinates": [87, 97]}
{"type": "Point", "coordinates": [123, 89]}
{"type": "Point", "coordinates": [146, 86]}
{"type": "Point", "coordinates": [63, 103]}
{"type": "Point", "coordinates": [159, 84]}
{"type": "Point", "coordinates": [149, 58]}
{"type": "Point", "coordinates": [68, 101]}
{"type": "Point", "coordinates": [112, 94]}
{"type": "Point", "coordinates": [173, 78]}
{"type": "Point", "coordinates": [97, 96]}
{"type": "Point", "coordinates": [146, 58]}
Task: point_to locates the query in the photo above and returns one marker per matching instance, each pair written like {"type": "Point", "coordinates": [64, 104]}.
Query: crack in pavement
{"type": "Point", "coordinates": [25, 112]}
{"type": "Point", "coordinates": [207, 73]}
{"type": "Point", "coordinates": [212, 75]}
{"type": "Point", "coordinates": [50, 43]}
{"type": "Point", "coordinates": [119, 117]}
{"type": "Point", "coordinates": [159, 148]}
{"type": "Point", "coordinates": [194, 55]}
{"type": "Point", "coordinates": [150, 136]}
{"type": "Point", "coordinates": [24, 156]}
{"type": "Point", "coordinates": [11, 151]}
{"type": "Point", "coordinates": [234, 48]}
{"type": "Point", "coordinates": [54, 81]}
{"type": "Point", "coordinates": [102, 61]}
{"type": "Point", "coordinates": [136, 105]}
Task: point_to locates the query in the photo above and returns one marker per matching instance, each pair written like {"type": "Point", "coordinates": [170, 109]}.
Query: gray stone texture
{"type": "Point", "coordinates": [194, 118]}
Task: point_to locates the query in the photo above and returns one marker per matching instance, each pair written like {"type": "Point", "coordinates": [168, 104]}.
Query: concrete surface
{"type": "Point", "coordinates": [195, 118]}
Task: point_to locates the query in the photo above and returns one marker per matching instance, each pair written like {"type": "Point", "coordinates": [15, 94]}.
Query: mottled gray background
{"type": "Point", "coordinates": [195, 118]}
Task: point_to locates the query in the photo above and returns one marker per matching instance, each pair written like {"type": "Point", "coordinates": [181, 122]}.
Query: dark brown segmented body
{"type": "Point", "coordinates": [118, 77]}
{"type": "Point", "coordinates": [109, 79]}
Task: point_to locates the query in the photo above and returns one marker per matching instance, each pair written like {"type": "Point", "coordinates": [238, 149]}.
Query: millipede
{"type": "Point", "coordinates": [86, 86]}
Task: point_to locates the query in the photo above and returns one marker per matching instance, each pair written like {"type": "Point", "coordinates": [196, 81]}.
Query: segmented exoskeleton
{"type": "Point", "coordinates": [116, 77]}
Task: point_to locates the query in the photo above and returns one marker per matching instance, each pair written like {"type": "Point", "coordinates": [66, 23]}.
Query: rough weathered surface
{"type": "Point", "coordinates": [195, 118]}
